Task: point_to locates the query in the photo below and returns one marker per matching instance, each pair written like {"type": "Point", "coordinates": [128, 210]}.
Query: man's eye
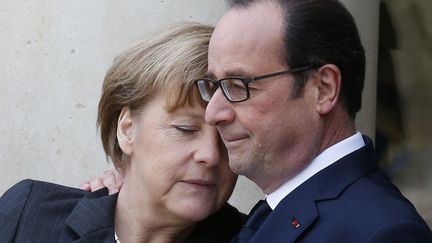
{"type": "Point", "coordinates": [186, 129]}
{"type": "Point", "coordinates": [238, 86]}
{"type": "Point", "coordinates": [234, 84]}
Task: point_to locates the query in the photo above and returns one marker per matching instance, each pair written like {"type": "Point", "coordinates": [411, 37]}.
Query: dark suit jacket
{"type": "Point", "coordinates": [33, 211]}
{"type": "Point", "coordinates": [352, 200]}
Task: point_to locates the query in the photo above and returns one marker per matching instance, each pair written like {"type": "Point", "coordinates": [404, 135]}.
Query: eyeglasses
{"type": "Point", "coordinates": [236, 88]}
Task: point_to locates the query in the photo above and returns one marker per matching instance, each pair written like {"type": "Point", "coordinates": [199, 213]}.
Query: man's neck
{"type": "Point", "coordinates": [334, 128]}
{"type": "Point", "coordinates": [323, 160]}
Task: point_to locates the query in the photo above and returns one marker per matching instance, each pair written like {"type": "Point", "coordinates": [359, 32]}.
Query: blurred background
{"type": "Point", "coordinates": [404, 98]}
{"type": "Point", "coordinates": [54, 55]}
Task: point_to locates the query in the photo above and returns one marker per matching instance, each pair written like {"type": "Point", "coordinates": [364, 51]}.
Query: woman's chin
{"type": "Point", "coordinates": [195, 211]}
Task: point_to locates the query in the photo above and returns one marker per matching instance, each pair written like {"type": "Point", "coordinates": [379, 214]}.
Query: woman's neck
{"type": "Point", "coordinates": [136, 220]}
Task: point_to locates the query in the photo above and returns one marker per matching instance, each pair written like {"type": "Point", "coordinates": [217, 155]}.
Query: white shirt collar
{"type": "Point", "coordinates": [326, 158]}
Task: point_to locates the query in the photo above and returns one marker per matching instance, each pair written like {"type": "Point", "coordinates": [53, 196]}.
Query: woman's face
{"type": "Point", "coordinates": [178, 165]}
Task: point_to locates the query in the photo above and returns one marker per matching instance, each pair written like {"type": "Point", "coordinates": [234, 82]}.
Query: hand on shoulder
{"type": "Point", "coordinates": [111, 179]}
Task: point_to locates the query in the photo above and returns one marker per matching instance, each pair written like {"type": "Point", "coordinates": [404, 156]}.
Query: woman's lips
{"type": "Point", "coordinates": [200, 184]}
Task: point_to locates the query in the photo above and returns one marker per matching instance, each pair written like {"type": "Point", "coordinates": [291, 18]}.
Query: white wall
{"type": "Point", "coordinates": [54, 55]}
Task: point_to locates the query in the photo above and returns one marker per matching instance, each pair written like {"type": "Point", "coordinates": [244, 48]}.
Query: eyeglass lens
{"type": "Point", "coordinates": [234, 89]}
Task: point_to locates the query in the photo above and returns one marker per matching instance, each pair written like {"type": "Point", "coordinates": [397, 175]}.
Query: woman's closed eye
{"type": "Point", "coordinates": [186, 129]}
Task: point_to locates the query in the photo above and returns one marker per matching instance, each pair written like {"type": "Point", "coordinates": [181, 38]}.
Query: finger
{"type": "Point", "coordinates": [109, 181]}
{"type": "Point", "coordinates": [85, 186]}
{"type": "Point", "coordinates": [96, 184]}
{"type": "Point", "coordinates": [120, 184]}
{"type": "Point", "coordinates": [119, 176]}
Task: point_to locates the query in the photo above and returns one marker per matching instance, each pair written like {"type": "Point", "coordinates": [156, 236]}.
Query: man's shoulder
{"type": "Point", "coordinates": [369, 209]}
{"type": "Point", "coordinates": [373, 207]}
{"type": "Point", "coordinates": [377, 195]}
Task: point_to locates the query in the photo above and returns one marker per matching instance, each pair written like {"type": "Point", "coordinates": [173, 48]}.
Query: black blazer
{"type": "Point", "coordinates": [34, 211]}
{"type": "Point", "coordinates": [351, 201]}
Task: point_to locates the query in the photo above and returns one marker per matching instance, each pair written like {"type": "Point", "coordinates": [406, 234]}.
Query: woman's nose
{"type": "Point", "coordinates": [210, 150]}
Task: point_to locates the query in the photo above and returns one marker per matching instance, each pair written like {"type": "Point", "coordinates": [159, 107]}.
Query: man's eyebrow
{"type": "Point", "coordinates": [230, 73]}
{"type": "Point", "coordinates": [209, 75]}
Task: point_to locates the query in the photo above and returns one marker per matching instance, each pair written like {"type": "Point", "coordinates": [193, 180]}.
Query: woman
{"type": "Point", "coordinates": [176, 174]}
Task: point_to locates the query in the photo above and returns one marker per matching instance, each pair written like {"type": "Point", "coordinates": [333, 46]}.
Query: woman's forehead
{"type": "Point", "coordinates": [194, 111]}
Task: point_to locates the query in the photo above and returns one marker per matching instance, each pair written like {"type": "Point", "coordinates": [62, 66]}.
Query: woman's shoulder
{"type": "Point", "coordinates": [228, 212]}
{"type": "Point", "coordinates": [29, 193]}
{"type": "Point", "coordinates": [40, 189]}
{"type": "Point", "coordinates": [221, 226]}
{"type": "Point", "coordinates": [36, 206]}
{"type": "Point", "coordinates": [32, 196]}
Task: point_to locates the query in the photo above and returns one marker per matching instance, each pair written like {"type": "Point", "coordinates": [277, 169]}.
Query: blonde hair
{"type": "Point", "coordinates": [166, 64]}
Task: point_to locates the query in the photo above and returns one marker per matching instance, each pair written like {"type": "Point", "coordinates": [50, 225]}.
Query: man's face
{"type": "Point", "coordinates": [270, 137]}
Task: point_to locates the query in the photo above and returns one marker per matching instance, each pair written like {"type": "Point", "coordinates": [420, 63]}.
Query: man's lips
{"type": "Point", "coordinates": [232, 139]}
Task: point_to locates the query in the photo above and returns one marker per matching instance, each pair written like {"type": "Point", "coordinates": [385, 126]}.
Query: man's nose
{"type": "Point", "coordinates": [219, 110]}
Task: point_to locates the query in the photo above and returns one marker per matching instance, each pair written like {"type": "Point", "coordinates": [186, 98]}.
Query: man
{"type": "Point", "coordinates": [284, 86]}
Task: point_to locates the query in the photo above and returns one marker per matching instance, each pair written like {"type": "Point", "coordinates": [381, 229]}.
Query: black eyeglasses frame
{"type": "Point", "coordinates": [247, 80]}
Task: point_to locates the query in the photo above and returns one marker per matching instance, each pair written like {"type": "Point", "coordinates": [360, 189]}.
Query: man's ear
{"type": "Point", "coordinates": [328, 88]}
{"type": "Point", "coordinates": [125, 131]}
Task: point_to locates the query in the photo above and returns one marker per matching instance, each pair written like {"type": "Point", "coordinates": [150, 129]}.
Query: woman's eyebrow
{"type": "Point", "coordinates": [188, 115]}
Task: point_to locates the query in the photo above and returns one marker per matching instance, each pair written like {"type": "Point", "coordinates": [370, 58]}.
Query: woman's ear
{"type": "Point", "coordinates": [329, 86]}
{"type": "Point", "coordinates": [125, 130]}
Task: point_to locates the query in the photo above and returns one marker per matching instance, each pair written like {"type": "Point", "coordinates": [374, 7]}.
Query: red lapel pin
{"type": "Point", "coordinates": [295, 223]}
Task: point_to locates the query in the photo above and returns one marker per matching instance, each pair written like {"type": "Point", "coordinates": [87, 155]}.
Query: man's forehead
{"type": "Point", "coordinates": [243, 34]}
{"type": "Point", "coordinates": [238, 56]}
{"type": "Point", "coordinates": [248, 22]}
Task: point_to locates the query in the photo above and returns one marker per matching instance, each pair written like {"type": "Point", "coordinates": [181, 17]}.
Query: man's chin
{"type": "Point", "coordinates": [239, 166]}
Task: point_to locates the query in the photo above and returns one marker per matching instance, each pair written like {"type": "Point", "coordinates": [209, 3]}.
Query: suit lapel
{"type": "Point", "coordinates": [299, 210]}
{"type": "Point", "coordinates": [287, 223]}
{"type": "Point", "coordinates": [92, 219]}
